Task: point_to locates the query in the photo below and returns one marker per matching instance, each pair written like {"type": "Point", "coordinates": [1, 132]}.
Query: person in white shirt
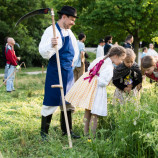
{"type": "Point", "coordinates": [151, 51]}
{"type": "Point", "coordinates": [68, 53]}
{"type": "Point", "coordinates": [100, 48]}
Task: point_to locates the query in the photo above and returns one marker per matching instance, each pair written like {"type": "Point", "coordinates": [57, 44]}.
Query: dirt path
{"type": "Point", "coordinates": [29, 73]}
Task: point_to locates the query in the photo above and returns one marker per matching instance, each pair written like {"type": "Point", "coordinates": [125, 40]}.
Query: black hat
{"type": "Point", "coordinates": [101, 41]}
{"type": "Point", "coordinates": [67, 10]}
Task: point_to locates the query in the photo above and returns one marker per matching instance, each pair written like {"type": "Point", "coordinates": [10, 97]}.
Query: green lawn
{"type": "Point", "coordinates": [130, 130]}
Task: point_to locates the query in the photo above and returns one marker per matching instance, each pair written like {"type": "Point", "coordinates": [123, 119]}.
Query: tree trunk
{"type": "Point", "coordinates": [136, 46]}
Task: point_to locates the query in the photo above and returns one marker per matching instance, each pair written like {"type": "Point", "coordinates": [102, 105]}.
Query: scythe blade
{"type": "Point", "coordinates": [36, 12]}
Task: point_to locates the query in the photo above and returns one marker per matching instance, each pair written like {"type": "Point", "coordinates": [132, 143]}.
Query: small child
{"type": "Point", "coordinates": [126, 77]}
{"type": "Point", "coordinates": [150, 67]}
{"type": "Point", "coordinates": [89, 92]}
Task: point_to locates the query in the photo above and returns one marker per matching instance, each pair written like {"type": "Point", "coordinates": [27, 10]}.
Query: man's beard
{"type": "Point", "coordinates": [67, 26]}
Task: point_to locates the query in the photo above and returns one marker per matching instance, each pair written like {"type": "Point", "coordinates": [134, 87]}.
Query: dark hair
{"type": "Point", "coordinates": [101, 41]}
{"type": "Point", "coordinates": [107, 38]}
{"type": "Point", "coordinates": [128, 37]}
{"type": "Point", "coordinates": [144, 48]}
{"type": "Point", "coordinates": [60, 15]}
{"type": "Point", "coordinates": [116, 50]}
{"type": "Point", "coordinates": [81, 36]}
{"type": "Point", "coordinates": [147, 62]}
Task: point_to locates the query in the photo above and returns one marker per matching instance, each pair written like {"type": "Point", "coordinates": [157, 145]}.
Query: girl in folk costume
{"type": "Point", "coordinates": [89, 92]}
{"type": "Point", "coordinates": [150, 67]}
{"type": "Point", "coordinates": [126, 77]}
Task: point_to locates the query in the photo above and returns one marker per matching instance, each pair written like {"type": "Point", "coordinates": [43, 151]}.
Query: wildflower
{"type": "Point", "coordinates": [135, 122]}
{"type": "Point", "coordinates": [89, 140]}
{"type": "Point", "coordinates": [148, 135]}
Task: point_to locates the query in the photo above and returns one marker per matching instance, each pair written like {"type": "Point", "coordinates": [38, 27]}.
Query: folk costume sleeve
{"type": "Point", "coordinates": [105, 76]}
{"type": "Point", "coordinates": [45, 46]}
{"type": "Point", "coordinates": [119, 85]}
{"type": "Point", "coordinates": [137, 77]}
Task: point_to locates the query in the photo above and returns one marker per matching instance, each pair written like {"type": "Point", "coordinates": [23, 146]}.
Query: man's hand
{"type": "Point", "coordinates": [82, 57]}
{"type": "Point", "coordinates": [54, 41]}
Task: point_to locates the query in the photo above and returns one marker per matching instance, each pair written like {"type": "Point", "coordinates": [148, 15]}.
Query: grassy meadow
{"type": "Point", "coordinates": [129, 131]}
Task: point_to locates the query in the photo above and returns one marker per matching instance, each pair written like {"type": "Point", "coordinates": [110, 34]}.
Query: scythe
{"type": "Point", "coordinates": [45, 11]}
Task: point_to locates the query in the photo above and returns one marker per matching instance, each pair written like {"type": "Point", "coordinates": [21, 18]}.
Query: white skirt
{"type": "Point", "coordinates": [99, 106]}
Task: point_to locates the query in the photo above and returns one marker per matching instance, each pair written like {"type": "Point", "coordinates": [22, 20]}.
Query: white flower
{"type": "Point", "coordinates": [135, 122]}
{"type": "Point", "coordinates": [148, 135]}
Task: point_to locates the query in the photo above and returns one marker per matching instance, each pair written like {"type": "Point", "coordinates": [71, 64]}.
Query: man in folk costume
{"type": "Point", "coordinates": [68, 53]}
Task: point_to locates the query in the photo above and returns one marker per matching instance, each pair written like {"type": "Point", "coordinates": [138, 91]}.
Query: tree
{"type": "Point", "coordinates": [27, 33]}
{"type": "Point", "coordinates": [136, 17]}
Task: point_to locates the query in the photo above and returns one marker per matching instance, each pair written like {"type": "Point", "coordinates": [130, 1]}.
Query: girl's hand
{"type": "Point", "coordinates": [127, 89]}
{"type": "Point", "coordinates": [139, 86]}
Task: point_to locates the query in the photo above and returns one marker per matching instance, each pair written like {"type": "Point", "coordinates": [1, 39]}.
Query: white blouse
{"type": "Point", "coordinates": [99, 106]}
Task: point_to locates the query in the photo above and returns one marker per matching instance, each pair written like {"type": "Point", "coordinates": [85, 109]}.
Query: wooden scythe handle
{"type": "Point", "coordinates": [57, 86]}
{"type": "Point", "coordinates": [60, 82]}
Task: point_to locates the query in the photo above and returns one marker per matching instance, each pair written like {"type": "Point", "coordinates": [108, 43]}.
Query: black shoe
{"type": "Point", "coordinates": [9, 91]}
{"type": "Point", "coordinates": [44, 136]}
{"type": "Point", "coordinates": [45, 123]}
{"type": "Point", "coordinates": [74, 136]}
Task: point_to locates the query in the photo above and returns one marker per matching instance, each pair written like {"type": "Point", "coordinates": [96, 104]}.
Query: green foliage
{"type": "Point", "coordinates": [97, 18]}
{"type": "Point", "coordinates": [130, 130]}
{"type": "Point", "coordinates": [91, 56]}
{"type": "Point", "coordinates": [27, 34]}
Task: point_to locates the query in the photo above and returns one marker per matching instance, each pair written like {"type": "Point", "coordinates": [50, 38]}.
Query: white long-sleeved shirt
{"type": "Point", "coordinates": [100, 51]}
{"type": "Point", "coordinates": [45, 46]}
{"type": "Point", "coordinates": [152, 52]}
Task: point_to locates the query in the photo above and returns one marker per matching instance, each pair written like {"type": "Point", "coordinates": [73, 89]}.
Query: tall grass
{"type": "Point", "coordinates": [130, 130]}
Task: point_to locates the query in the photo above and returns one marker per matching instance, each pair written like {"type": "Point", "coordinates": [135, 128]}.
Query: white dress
{"type": "Point", "coordinates": [99, 106]}
{"type": "Point", "coordinates": [92, 95]}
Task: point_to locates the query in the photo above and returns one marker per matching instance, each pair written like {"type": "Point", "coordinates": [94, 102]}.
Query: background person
{"type": "Point", "coordinates": [108, 44]}
{"type": "Point", "coordinates": [100, 48]}
{"type": "Point", "coordinates": [79, 65]}
{"type": "Point", "coordinates": [145, 50]}
{"type": "Point", "coordinates": [11, 61]}
{"type": "Point", "coordinates": [128, 42]}
{"type": "Point", "coordinates": [151, 51]}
